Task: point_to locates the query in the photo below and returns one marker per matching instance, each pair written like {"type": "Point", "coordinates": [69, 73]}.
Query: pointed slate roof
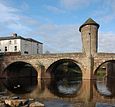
{"type": "Point", "coordinates": [90, 21]}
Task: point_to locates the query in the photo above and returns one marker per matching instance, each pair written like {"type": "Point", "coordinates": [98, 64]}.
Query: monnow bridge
{"type": "Point", "coordinates": [89, 60]}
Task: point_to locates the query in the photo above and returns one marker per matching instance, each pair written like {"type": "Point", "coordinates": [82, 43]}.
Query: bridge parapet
{"type": "Point", "coordinates": [46, 56]}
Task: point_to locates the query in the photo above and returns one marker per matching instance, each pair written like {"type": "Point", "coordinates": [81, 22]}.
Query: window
{"type": "Point", "coordinates": [37, 51]}
{"type": "Point", "coordinates": [10, 42]}
{"type": "Point", "coordinates": [5, 48]}
{"type": "Point", "coordinates": [25, 52]}
{"type": "Point", "coordinates": [15, 41]}
{"type": "Point", "coordinates": [15, 48]}
{"type": "Point", "coordinates": [37, 45]}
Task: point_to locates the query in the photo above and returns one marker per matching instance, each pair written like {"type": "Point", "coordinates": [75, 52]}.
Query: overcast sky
{"type": "Point", "coordinates": [55, 23]}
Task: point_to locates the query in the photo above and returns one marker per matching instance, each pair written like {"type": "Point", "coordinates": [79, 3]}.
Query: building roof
{"type": "Point", "coordinates": [14, 36]}
{"type": "Point", "coordinates": [90, 21]}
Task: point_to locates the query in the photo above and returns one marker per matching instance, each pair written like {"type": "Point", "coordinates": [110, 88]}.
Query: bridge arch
{"type": "Point", "coordinates": [19, 69]}
{"type": "Point", "coordinates": [65, 63]}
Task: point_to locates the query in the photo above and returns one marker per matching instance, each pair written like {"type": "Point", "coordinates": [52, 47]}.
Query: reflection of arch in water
{"type": "Point", "coordinates": [19, 69]}
{"type": "Point", "coordinates": [111, 86]}
{"type": "Point", "coordinates": [64, 68]}
{"type": "Point", "coordinates": [105, 87]}
{"type": "Point", "coordinates": [65, 88]}
{"type": "Point", "coordinates": [102, 88]}
{"type": "Point", "coordinates": [3, 90]}
{"type": "Point", "coordinates": [20, 85]}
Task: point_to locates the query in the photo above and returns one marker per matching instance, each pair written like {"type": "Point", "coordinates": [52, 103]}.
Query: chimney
{"type": "Point", "coordinates": [14, 34]}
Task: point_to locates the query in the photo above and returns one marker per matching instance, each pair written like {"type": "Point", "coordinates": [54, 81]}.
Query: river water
{"type": "Point", "coordinates": [61, 93]}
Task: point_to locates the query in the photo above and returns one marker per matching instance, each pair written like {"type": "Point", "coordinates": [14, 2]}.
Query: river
{"type": "Point", "coordinates": [61, 93]}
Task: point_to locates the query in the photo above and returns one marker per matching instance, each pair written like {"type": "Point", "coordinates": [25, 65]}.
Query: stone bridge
{"type": "Point", "coordinates": [88, 60]}
{"type": "Point", "coordinates": [88, 65]}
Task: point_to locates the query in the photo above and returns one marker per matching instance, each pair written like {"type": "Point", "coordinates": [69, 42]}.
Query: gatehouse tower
{"type": "Point", "coordinates": [89, 34]}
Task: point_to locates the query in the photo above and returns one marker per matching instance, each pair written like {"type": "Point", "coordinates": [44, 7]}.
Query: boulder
{"type": "Point", "coordinates": [36, 104]}
{"type": "Point", "coordinates": [17, 102]}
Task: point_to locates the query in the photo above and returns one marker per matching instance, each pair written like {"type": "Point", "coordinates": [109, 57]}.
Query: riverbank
{"type": "Point", "coordinates": [19, 102]}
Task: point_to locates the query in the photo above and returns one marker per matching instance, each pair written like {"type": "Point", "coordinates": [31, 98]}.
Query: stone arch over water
{"type": "Point", "coordinates": [64, 66]}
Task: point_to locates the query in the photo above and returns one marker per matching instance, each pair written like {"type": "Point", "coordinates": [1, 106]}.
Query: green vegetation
{"type": "Point", "coordinates": [101, 73]}
{"type": "Point", "coordinates": [69, 71]}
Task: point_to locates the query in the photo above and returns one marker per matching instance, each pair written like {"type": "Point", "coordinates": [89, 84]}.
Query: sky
{"type": "Point", "coordinates": [56, 23]}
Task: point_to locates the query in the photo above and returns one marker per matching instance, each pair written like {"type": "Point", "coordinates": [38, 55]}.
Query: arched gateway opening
{"type": "Point", "coordinates": [65, 78]}
{"type": "Point", "coordinates": [65, 68]}
{"type": "Point", "coordinates": [20, 77]}
{"type": "Point", "coordinates": [105, 79]}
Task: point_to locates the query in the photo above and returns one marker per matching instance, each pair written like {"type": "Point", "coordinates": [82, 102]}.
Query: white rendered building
{"type": "Point", "coordinates": [20, 45]}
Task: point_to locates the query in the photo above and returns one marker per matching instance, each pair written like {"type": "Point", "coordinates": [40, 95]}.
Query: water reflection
{"type": "Point", "coordinates": [3, 89]}
{"type": "Point", "coordinates": [20, 85]}
{"type": "Point", "coordinates": [64, 87]}
{"type": "Point", "coordinates": [77, 92]}
{"type": "Point", "coordinates": [104, 105]}
{"type": "Point", "coordinates": [106, 87]}
{"type": "Point", "coordinates": [111, 86]}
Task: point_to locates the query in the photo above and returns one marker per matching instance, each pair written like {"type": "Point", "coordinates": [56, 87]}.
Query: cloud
{"type": "Point", "coordinates": [105, 10]}
{"type": "Point", "coordinates": [59, 38]}
{"type": "Point", "coordinates": [11, 19]}
{"type": "Point", "coordinates": [54, 9]}
{"type": "Point", "coordinates": [7, 13]}
{"type": "Point", "coordinates": [107, 42]}
{"type": "Point", "coordinates": [73, 4]}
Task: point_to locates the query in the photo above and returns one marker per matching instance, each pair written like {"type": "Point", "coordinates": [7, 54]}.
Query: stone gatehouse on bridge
{"type": "Point", "coordinates": [88, 60]}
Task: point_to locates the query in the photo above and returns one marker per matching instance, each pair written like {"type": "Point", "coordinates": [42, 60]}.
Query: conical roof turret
{"type": "Point", "coordinates": [90, 21]}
